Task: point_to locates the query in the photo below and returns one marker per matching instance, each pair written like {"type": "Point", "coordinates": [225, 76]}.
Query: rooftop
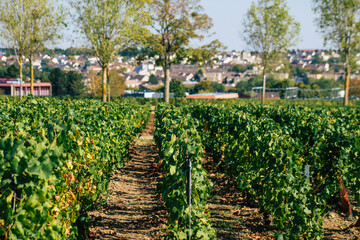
{"type": "Point", "coordinates": [213, 95]}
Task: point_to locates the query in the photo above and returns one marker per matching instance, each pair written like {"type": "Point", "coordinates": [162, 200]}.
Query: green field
{"type": "Point", "coordinates": [57, 157]}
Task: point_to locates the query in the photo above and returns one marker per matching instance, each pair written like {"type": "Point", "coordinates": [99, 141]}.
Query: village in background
{"type": "Point", "coordinates": [307, 74]}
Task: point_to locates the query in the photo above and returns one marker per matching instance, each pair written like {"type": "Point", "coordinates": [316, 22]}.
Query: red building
{"type": "Point", "coordinates": [11, 86]}
{"type": "Point", "coordinates": [213, 96]}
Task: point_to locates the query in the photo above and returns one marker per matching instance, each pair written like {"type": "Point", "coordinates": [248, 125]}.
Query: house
{"type": "Point", "coordinates": [213, 96]}
{"type": "Point", "coordinates": [55, 60]}
{"type": "Point", "coordinates": [315, 76]}
{"type": "Point", "coordinates": [214, 76]}
{"type": "Point", "coordinates": [37, 62]}
{"type": "Point", "coordinates": [189, 84]}
{"type": "Point", "coordinates": [332, 76]}
{"type": "Point", "coordinates": [281, 76]}
{"type": "Point", "coordinates": [12, 87]}
{"type": "Point", "coordinates": [93, 60]}
{"type": "Point", "coordinates": [94, 68]}
{"type": "Point", "coordinates": [133, 83]}
{"type": "Point", "coordinates": [185, 77]}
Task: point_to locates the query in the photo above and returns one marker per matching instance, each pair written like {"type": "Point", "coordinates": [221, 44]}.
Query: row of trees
{"type": "Point", "coordinates": [270, 30]}
{"type": "Point", "coordinates": [315, 87]}
{"type": "Point", "coordinates": [339, 23]}
{"type": "Point", "coordinates": [28, 26]}
{"type": "Point", "coordinates": [271, 82]}
{"type": "Point", "coordinates": [167, 26]}
{"type": "Point", "coordinates": [164, 26]}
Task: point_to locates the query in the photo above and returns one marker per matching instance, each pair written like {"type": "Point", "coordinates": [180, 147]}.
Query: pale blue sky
{"type": "Point", "coordinates": [228, 17]}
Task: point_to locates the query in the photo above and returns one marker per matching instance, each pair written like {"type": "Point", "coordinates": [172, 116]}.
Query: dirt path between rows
{"type": "Point", "coordinates": [234, 218]}
{"type": "Point", "coordinates": [133, 210]}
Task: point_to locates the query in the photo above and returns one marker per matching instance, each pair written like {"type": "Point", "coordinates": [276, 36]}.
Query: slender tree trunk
{"type": "Point", "coordinates": [21, 77]}
{"type": "Point", "coordinates": [347, 80]}
{"type": "Point", "coordinates": [94, 92]}
{"type": "Point", "coordinates": [264, 87]}
{"type": "Point", "coordinates": [167, 83]}
{"type": "Point", "coordinates": [31, 75]}
{"type": "Point", "coordinates": [108, 84]}
{"type": "Point", "coordinates": [104, 92]}
{"type": "Point", "coordinates": [344, 199]}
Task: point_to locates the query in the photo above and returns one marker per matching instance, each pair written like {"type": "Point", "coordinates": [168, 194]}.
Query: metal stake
{"type": "Point", "coordinates": [189, 195]}
{"type": "Point", "coordinates": [307, 171]}
{"type": "Point", "coordinates": [14, 202]}
{"type": "Point", "coordinates": [14, 189]}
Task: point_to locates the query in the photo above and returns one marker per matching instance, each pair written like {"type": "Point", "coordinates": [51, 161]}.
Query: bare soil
{"type": "Point", "coordinates": [133, 209]}
{"type": "Point", "coordinates": [234, 217]}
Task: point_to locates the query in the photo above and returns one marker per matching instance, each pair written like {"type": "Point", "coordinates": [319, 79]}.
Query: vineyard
{"type": "Point", "coordinates": [56, 159]}
{"type": "Point", "coordinates": [295, 163]}
{"type": "Point", "coordinates": [292, 160]}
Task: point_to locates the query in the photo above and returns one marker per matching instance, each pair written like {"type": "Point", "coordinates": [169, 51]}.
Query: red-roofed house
{"type": "Point", "coordinates": [12, 87]}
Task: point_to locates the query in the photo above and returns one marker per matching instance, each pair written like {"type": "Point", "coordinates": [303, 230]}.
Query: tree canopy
{"type": "Point", "coordinates": [203, 87]}
{"type": "Point", "coordinates": [339, 23]}
{"type": "Point", "coordinates": [109, 25]}
{"type": "Point", "coordinates": [237, 68]}
{"type": "Point", "coordinates": [174, 24]}
{"type": "Point", "coordinates": [14, 23]}
{"type": "Point", "coordinates": [45, 18]}
{"type": "Point", "coordinates": [153, 79]}
{"type": "Point", "coordinates": [66, 83]}
{"type": "Point", "coordinates": [177, 87]}
{"type": "Point", "coordinates": [270, 31]}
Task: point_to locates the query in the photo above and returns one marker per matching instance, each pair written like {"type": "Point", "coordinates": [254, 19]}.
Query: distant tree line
{"type": "Point", "coordinates": [71, 51]}
{"type": "Point", "coordinates": [66, 83]}
{"type": "Point", "coordinates": [63, 82]}
{"type": "Point", "coordinates": [13, 71]}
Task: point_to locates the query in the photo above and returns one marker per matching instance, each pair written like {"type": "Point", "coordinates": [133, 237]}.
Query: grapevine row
{"type": "Point", "coordinates": [265, 150]}
{"type": "Point", "coordinates": [179, 142]}
{"type": "Point", "coordinates": [56, 158]}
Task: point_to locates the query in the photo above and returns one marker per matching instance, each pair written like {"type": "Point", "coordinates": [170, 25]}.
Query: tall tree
{"type": "Point", "coordinates": [205, 54]}
{"type": "Point", "coordinates": [75, 85]}
{"type": "Point", "coordinates": [116, 83]}
{"type": "Point", "coordinates": [13, 71]}
{"type": "Point", "coordinates": [177, 87]}
{"type": "Point", "coordinates": [175, 23]}
{"type": "Point", "coordinates": [59, 82]}
{"type": "Point", "coordinates": [95, 84]}
{"type": "Point", "coordinates": [14, 25]}
{"type": "Point", "coordinates": [153, 79]}
{"type": "Point", "coordinates": [109, 25]}
{"type": "Point", "coordinates": [218, 87]}
{"type": "Point", "coordinates": [45, 19]}
{"type": "Point", "coordinates": [339, 22]}
{"type": "Point", "coordinates": [270, 31]}
{"type": "Point", "coordinates": [203, 87]}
